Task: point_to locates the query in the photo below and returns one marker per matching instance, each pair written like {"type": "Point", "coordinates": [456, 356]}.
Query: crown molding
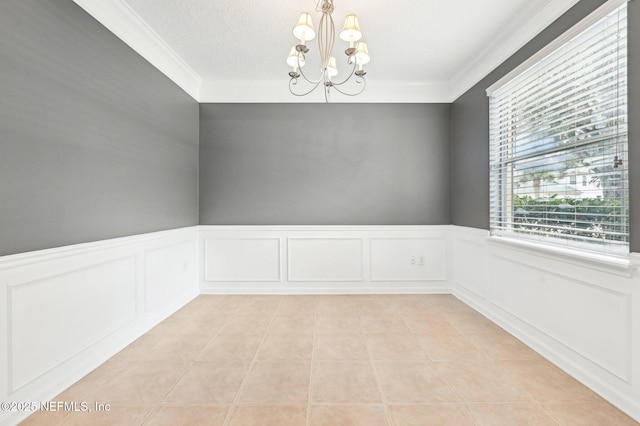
{"type": "Point", "coordinates": [277, 91]}
{"type": "Point", "coordinates": [532, 21]}
{"type": "Point", "coordinates": [125, 23]}
{"type": "Point", "coordinates": [118, 17]}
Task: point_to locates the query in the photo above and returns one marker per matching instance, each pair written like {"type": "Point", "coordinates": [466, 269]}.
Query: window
{"type": "Point", "coordinates": [563, 114]}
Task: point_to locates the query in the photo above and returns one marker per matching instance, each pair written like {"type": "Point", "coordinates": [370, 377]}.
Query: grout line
{"type": "Point", "coordinates": [234, 403]}
{"type": "Point", "coordinates": [460, 403]}
{"type": "Point", "coordinates": [544, 410]}
{"type": "Point", "coordinates": [385, 407]}
{"type": "Point", "coordinates": [313, 352]}
{"type": "Point", "coordinates": [150, 414]}
{"type": "Point", "coordinates": [198, 357]}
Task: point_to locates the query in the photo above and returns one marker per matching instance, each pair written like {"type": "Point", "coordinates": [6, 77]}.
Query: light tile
{"type": "Point", "coordinates": [383, 324]}
{"type": "Point", "coordinates": [89, 384]}
{"type": "Point", "coordinates": [436, 362]}
{"type": "Point", "coordinates": [292, 325]}
{"type": "Point", "coordinates": [298, 306]}
{"type": "Point", "coordinates": [481, 381]}
{"type": "Point", "coordinates": [450, 347]}
{"type": "Point", "coordinates": [344, 382]}
{"type": "Point", "coordinates": [428, 323]}
{"type": "Point", "coordinates": [269, 415]}
{"type": "Point", "coordinates": [429, 415]}
{"type": "Point", "coordinates": [509, 415]}
{"type": "Point", "coordinates": [280, 347]}
{"type": "Point", "coordinates": [581, 414]}
{"type": "Point", "coordinates": [502, 346]}
{"type": "Point", "coordinates": [347, 415]}
{"type": "Point", "coordinates": [117, 415]}
{"type": "Point", "coordinates": [208, 383]}
{"type": "Point", "coordinates": [338, 324]}
{"type": "Point", "coordinates": [219, 302]}
{"type": "Point", "coordinates": [373, 308]}
{"type": "Point", "coordinates": [190, 324]}
{"type": "Point", "coordinates": [164, 347]}
{"type": "Point", "coordinates": [333, 347]}
{"type": "Point", "coordinates": [188, 416]}
{"type": "Point", "coordinates": [470, 322]}
{"type": "Point", "coordinates": [395, 347]}
{"type": "Point", "coordinates": [231, 347]}
{"type": "Point", "coordinates": [547, 383]}
{"type": "Point", "coordinates": [258, 305]}
{"type": "Point", "coordinates": [403, 382]}
{"type": "Point", "coordinates": [45, 418]}
{"type": "Point", "coordinates": [443, 303]}
{"type": "Point", "coordinates": [277, 382]}
{"type": "Point", "coordinates": [141, 383]}
{"type": "Point", "coordinates": [247, 324]}
{"type": "Point", "coordinates": [341, 306]}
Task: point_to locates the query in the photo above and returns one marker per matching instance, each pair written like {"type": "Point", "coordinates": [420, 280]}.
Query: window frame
{"type": "Point", "coordinates": [503, 188]}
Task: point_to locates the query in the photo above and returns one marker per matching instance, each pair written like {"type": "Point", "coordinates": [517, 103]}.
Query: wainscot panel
{"type": "Point", "coordinates": [69, 309]}
{"type": "Point", "coordinates": [324, 259]}
{"type": "Point", "coordinates": [581, 313]}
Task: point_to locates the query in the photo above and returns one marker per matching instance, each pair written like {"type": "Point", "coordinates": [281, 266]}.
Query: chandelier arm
{"type": "Point", "coordinates": [323, 42]}
{"type": "Point", "coordinates": [332, 39]}
{"type": "Point", "coordinates": [293, 82]}
{"type": "Point", "coordinates": [307, 78]}
{"type": "Point", "coordinates": [353, 70]}
{"type": "Point", "coordinates": [359, 80]}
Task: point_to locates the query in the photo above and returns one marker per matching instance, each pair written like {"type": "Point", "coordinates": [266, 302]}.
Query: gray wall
{"type": "Point", "coordinates": [318, 164]}
{"type": "Point", "coordinates": [470, 126]}
{"type": "Point", "coordinates": [95, 142]}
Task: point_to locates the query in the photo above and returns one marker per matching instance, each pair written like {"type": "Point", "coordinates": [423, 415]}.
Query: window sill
{"type": "Point", "coordinates": [620, 265]}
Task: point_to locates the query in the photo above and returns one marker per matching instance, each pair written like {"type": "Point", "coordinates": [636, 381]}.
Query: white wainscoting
{"type": "Point", "coordinates": [582, 314]}
{"type": "Point", "coordinates": [324, 259]}
{"type": "Point", "coordinates": [67, 310]}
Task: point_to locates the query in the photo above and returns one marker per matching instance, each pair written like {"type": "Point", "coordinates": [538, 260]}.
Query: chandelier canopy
{"type": "Point", "coordinates": [357, 53]}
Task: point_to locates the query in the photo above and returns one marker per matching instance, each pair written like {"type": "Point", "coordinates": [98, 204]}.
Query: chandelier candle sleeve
{"type": "Point", "coordinates": [357, 54]}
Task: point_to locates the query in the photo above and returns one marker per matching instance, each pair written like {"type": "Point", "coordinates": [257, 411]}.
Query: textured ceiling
{"type": "Point", "coordinates": [419, 40]}
{"type": "Point", "coordinates": [231, 45]}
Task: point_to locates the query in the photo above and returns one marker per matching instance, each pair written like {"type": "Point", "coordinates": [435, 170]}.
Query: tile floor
{"type": "Point", "coordinates": [331, 360]}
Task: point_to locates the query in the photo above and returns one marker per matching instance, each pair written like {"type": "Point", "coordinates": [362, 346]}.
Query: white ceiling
{"type": "Point", "coordinates": [235, 50]}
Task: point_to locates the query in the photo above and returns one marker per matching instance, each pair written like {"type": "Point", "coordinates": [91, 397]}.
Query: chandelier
{"type": "Point", "coordinates": [357, 54]}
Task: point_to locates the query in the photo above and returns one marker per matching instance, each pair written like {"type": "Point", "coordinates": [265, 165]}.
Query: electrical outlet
{"type": "Point", "coordinates": [412, 260]}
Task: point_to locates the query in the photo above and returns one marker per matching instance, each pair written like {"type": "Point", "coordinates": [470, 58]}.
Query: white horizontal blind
{"type": "Point", "coordinates": [556, 131]}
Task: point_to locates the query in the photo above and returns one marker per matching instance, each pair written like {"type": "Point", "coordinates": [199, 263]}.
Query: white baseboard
{"type": "Point", "coordinates": [96, 297]}
{"type": "Point", "coordinates": [583, 317]}
{"type": "Point", "coordinates": [390, 288]}
{"type": "Point", "coordinates": [324, 259]}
